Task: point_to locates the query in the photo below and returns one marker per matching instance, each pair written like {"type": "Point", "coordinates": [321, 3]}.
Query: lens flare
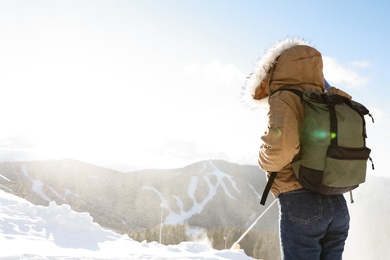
{"type": "Point", "coordinates": [320, 134]}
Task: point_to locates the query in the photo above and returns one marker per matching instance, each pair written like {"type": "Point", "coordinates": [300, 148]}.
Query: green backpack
{"type": "Point", "coordinates": [333, 144]}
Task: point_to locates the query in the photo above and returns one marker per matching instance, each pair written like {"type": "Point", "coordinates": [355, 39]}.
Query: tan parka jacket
{"type": "Point", "coordinates": [289, 64]}
{"type": "Point", "coordinates": [299, 67]}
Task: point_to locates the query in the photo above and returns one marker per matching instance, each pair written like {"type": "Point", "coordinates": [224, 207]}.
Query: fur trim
{"type": "Point", "coordinates": [265, 63]}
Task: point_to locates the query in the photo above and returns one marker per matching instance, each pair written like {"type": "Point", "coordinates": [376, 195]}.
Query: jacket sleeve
{"type": "Point", "coordinates": [281, 140]}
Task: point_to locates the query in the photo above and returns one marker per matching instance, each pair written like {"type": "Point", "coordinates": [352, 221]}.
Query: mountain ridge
{"type": "Point", "coordinates": [208, 193]}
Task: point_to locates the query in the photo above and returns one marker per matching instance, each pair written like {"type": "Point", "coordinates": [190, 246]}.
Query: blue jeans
{"type": "Point", "coordinates": [312, 226]}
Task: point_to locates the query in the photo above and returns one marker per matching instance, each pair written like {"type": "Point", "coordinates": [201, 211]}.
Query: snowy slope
{"type": "Point", "coordinates": [206, 194]}
{"type": "Point", "coordinates": [57, 232]}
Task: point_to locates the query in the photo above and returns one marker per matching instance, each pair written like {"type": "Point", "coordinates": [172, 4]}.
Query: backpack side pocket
{"type": "Point", "coordinates": [345, 167]}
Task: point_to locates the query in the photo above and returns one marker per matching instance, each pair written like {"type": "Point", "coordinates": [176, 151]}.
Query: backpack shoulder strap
{"type": "Point", "coordinates": [295, 91]}
{"type": "Point", "coordinates": [268, 187]}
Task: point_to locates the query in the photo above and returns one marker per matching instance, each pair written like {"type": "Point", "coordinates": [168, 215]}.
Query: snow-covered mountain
{"type": "Point", "coordinates": [31, 232]}
{"type": "Point", "coordinates": [205, 194]}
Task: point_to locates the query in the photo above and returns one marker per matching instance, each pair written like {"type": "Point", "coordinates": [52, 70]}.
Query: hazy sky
{"type": "Point", "coordinates": [156, 84]}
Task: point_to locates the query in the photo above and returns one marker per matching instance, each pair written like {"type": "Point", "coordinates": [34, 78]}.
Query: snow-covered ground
{"type": "Point", "coordinates": [35, 232]}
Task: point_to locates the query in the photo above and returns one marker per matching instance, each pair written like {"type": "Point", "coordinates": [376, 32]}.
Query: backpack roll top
{"type": "Point", "coordinates": [333, 148]}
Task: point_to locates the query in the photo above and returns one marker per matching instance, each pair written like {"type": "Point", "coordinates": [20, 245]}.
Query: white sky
{"type": "Point", "coordinates": [155, 84]}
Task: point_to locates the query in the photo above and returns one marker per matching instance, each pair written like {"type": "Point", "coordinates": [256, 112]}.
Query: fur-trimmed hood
{"type": "Point", "coordinates": [301, 66]}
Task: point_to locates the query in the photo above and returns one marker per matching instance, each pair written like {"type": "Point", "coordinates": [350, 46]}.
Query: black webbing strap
{"type": "Point", "coordinates": [333, 125]}
{"type": "Point", "coordinates": [268, 188]}
{"type": "Point", "coordinates": [295, 91]}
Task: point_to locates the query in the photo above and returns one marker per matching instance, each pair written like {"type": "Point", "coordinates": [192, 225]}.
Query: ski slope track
{"type": "Point", "coordinates": [208, 172]}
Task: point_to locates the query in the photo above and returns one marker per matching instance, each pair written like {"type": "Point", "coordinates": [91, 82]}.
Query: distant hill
{"type": "Point", "coordinates": [205, 194]}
